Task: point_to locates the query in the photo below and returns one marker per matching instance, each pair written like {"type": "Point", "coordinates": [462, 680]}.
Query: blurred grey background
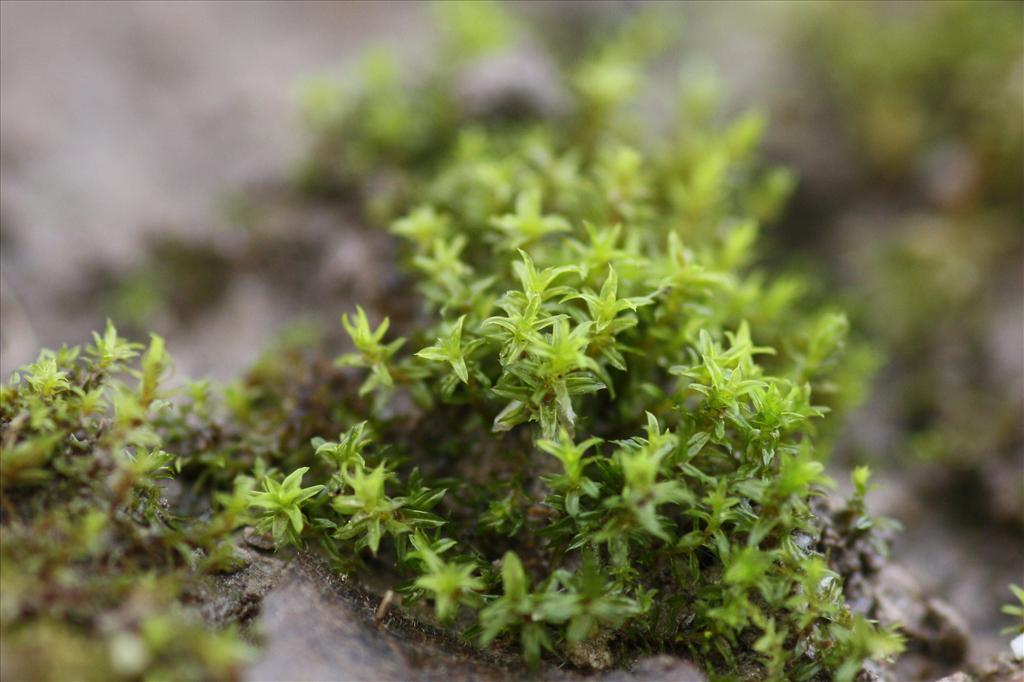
{"type": "Point", "coordinates": [120, 121]}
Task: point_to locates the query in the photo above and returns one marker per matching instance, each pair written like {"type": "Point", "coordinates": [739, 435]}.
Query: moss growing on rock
{"type": "Point", "coordinates": [597, 431]}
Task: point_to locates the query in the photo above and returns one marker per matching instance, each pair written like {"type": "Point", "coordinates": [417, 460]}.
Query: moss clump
{"type": "Point", "coordinates": [95, 563]}
{"type": "Point", "coordinates": [597, 428]}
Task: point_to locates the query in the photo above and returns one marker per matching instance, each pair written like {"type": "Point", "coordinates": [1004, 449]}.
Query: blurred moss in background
{"type": "Point", "coordinates": [931, 97]}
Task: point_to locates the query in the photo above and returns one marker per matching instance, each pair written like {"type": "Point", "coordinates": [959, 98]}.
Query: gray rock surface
{"type": "Point", "coordinates": [318, 626]}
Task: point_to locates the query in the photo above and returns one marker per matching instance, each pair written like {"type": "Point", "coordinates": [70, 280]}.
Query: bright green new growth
{"type": "Point", "coordinates": [1016, 610]}
{"type": "Point", "coordinates": [624, 408]}
{"type": "Point", "coordinates": [282, 505]}
{"type": "Point", "coordinates": [371, 353]}
{"type": "Point", "coordinates": [449, 584]}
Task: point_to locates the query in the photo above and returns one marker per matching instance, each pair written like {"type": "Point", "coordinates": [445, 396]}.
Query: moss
{"type": "Point", "coordinates": [601, 426]}
{"type": "Point", "coordinates": [94, 560]}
